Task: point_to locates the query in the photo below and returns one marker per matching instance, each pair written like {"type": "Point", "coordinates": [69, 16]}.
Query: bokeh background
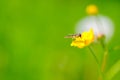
{"type": "Point", "coordinates": [32, 43]}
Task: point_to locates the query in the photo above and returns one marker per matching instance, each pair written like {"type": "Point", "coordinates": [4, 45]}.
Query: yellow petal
{"type": "Point", "coordinates": [85, 39]}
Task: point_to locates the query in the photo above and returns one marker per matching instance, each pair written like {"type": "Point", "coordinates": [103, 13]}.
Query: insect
{"type": "Point", "coordinates": [73, 36]}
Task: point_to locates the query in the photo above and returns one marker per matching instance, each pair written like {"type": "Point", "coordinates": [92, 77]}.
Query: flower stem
{"type": "Point", "coordinates": [105, 55]}
{"type": "Point", "coordinates": [104, 60]}
{"type": "Point", "coordinates": [98, 64]}
{"type": "Point", "coordinates": [93, 53]}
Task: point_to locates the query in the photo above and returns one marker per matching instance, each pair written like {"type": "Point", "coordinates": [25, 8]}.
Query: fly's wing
{"type": "Point", "coordinates": [71, 36]}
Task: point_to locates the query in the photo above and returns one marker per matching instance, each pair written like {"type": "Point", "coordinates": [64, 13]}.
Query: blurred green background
{"type": "Point", "coordinates": [32, 43]}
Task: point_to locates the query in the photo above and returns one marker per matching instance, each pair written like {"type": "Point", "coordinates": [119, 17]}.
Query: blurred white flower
{"type": "Point", "coordinates": [101, 25]}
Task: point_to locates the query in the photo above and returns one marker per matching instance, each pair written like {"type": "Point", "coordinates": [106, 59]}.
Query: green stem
{"type": "Point", "coordinates": [98, 64]}
{"type": "Point", "coordinates": [93, 53]}
{"type": "Point", "coordinates": [104, 60]}
{"type": "Point", "coordinates": [105, 55]}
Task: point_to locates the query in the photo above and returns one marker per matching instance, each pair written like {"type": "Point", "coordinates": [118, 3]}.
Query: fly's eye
{"type": "Point", "coordinates": [80, 35]}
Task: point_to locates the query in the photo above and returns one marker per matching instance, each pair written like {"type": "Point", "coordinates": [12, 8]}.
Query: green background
{"type": "Point", "coordinates": [32, 43]}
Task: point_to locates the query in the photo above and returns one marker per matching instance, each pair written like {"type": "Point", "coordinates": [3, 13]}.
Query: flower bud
{"type": "Point", "coordinates": [92, 10]}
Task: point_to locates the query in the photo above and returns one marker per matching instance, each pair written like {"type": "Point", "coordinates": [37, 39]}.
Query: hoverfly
{"type": "Point", "coordinates": [73, 36]}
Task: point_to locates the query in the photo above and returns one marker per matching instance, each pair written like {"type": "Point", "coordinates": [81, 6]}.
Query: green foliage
{"type": "Point", "coordinates": [32, 44]}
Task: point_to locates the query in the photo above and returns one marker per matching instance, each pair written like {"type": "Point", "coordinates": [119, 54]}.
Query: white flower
{"type": "Point", "coordinates": [100, 24]}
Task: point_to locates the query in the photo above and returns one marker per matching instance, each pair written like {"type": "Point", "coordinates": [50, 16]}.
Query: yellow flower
{"type": "Point", "coordinates": [84, 40]}
{"type": "Point", "coordinates": [92, 10]}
